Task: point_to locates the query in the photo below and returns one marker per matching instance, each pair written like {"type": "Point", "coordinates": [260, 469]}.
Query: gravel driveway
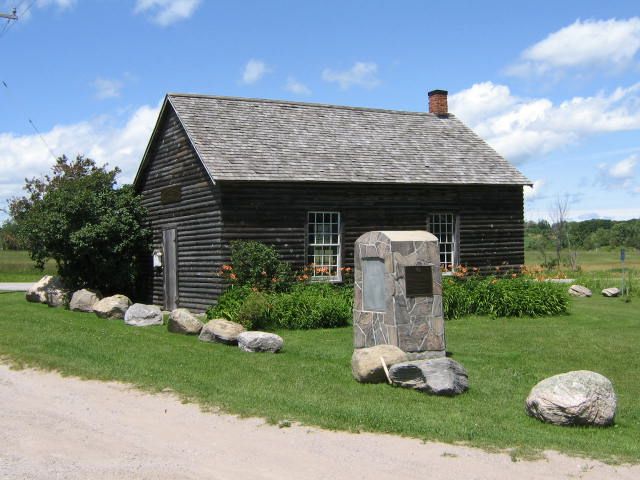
{"type": "Point", "coordinates": [15, 287]}
{"type": "Point", "coordinates": [65, 428]}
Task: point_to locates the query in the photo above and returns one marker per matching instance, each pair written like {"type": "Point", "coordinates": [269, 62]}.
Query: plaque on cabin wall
{"type": "Point", "coordinates": [418, 281]}
{"type": "Point", "coordinates": [171, 194]}
{"type": "Point", "coordinates": [374, 298]}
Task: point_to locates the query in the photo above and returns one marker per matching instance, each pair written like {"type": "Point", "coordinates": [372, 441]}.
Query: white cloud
{"type": "Point", "coordinates": [626, 213]}
{"type": "Point", "coordinates": [533, 192]}
{"type": "Point", "coordinates": [25, 156]}
{"type": "Point", "coordinates": [254, 70]}
{"type": "Point", "coordinates": [590, 43]}
{"type": "Point", "coordinates": [107, 88]}
{"type": "Point", "coordinates": [296, 87]}
{"type": "Point", "coordinates": [620, 175]}
{"type": "Point", "coordinates": [521, 128]}
{"type": "Point", "coordinates": [624, 169]}
{"type": "Point", "coordinates": [362, 74]}
{"type": "Point", "coordinates": [61, 4]}
{"type": "Point", "coordinates": [166, 12]}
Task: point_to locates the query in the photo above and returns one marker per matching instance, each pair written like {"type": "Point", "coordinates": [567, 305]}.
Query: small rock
{"type": "Point", "coordinates": [579, 291]}
{"type": "Point", "coordinates": [182, 320]}
{"type": "Point", "coordinates": [366, 366]}
{"type": "Point", "coordinates": [113, 307]}
{"type": "Point", "coordinates": [38, 291]}
{"type": "Point", "coordinates": [220, 330]}
{"type": "Point", "coordinates": [57, 297]}
{"type": "Point", "coordinates": [84, 300]}
{"type": "Point", "coordinates": [260, 342]}
{"type": "Point", "coordinates": [575, 398]}
{"type": "Point", "coordinates": [440, 376]}
{"type": "Point", "coordinates": [140, 315]}
{"type": "Point", "coordinates": [611, 292]}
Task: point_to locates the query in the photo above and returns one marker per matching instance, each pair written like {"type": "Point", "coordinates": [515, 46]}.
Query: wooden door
{"type": "Point", "coordinates": [169, 248]}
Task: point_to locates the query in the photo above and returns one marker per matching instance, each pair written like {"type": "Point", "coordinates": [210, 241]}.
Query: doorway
{"type": "Point", "coordinates": [169, 248]}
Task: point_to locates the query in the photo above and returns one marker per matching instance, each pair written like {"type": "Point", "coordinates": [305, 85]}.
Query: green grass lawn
{"type": "Point", "coordinates": [591, 260]}
{"type": "Point", "coordinates": [16, 266]}
{"type": "Point", "coordinates": [310, 381]}
{"type": "Point", "coordinates": [599, 269]}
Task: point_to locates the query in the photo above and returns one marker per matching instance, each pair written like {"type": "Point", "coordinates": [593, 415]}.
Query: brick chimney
{"type": "Point", "coordinates": [438, 102]}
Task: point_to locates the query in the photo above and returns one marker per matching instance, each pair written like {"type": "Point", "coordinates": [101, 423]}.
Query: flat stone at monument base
{"type": "Point", "coordinates": [440, 376]}
{"type": "Point", "coordinates": [366, 365]}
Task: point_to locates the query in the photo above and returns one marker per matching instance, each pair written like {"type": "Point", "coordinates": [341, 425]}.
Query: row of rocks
{"type": "Point", "coordinates": [116, 307]}
{"type": "Point", "coordinates": [582, 291]}
{"type": "Point", "coordinates": [436, 376]}
{"type": "Point", "coordinates": [50, 290]}
{"type": "Point", "coordinates": [223, 331]}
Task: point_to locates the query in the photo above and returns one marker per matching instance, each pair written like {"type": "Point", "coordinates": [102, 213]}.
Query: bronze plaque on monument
{"type": "Point", "coordinates": [418, 281]}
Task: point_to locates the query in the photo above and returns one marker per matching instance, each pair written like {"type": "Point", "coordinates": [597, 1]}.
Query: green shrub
{"type": "Point", "coordinates": [318, 305]}
{"type": "Point", "coordinates": [504, 297]}
{"type": "Point", "coordinates": [306, 306]}
{"type": "Point", "coordinates": [254, 312]}
{"type": "Point", "coordinates": [456, 301]}
{"type": "Point", "coordinates": [257, 265]}
{"type": "Point", "coordinates": [229, 303]}
{"type": "Point", "coordinates": [97, 234]}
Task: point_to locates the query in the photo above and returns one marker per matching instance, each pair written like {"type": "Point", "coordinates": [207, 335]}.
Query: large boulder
{"type": "Point", "coordinates": [579, 291]}
{"type": "Point", "coordinates": [220, 330]}
{"type": "Point", "coordinates": [140, 315]}
{"type": "Point", "coordinates": [611, 292]}
{"type": "Point", "coordinates": [182, 320]}
{"type": "Point", "coordinates": [260, 342]}
{"type": "Point", "coordinates": [440, 376]}
{"type": "Point", "coordinates": [575, 398]}
{"type": "Point", "coordinates": [38, 291]}
{"type": "Point", "coordinates": [113, 307]}
{"type": "Point", "coordinates": [366, 366]}
{"type": "Point", "coordinates": [84, 300]}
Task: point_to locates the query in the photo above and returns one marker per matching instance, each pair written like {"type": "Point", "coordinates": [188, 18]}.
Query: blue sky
{"type": "Point", "coordinates": [553, 86]}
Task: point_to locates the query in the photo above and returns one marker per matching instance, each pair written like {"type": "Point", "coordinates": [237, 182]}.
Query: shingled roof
{"type": "Point", "coordinates": [267, 140]}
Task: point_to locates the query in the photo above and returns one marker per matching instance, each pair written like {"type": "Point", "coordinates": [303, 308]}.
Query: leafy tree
{"type": "Point", "coordinates": [625, 234]}
{"type": "Point", "coordinates": [600, 238]}
{"type": "Point", "coordinates": [93, 231]}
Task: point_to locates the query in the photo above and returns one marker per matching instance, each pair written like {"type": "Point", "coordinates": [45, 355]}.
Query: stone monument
{"type": "Point", "coordinates": [398, 291]}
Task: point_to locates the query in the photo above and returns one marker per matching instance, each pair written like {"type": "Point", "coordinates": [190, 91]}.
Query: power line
{"type": "Point", "coordinates": [15, 16]}
{"type": "Point", "coordinates": [33, 125]}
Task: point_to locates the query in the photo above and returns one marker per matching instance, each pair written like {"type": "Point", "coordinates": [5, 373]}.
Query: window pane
{"type": "Point", "coordinates": [442, 225]}
{"type": "Point", "coordinates": [324, 243]}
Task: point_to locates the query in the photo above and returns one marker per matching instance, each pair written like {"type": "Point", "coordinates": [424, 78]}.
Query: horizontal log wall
{"type": "Point", "coordinates": [491, 225]}
{"type": "Point", "coordinates": [196, 217]}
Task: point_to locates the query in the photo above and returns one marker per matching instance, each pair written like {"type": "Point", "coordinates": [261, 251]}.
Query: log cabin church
{"type": "Point", "coordinates": [310, 179]}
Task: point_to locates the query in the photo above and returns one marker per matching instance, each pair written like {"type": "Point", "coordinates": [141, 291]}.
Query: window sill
{"type": "Point", "coordinates": [326, 279]}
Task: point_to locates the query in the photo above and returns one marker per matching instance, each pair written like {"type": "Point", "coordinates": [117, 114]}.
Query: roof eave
{"type": "Point", "coordinates": [145, 156]}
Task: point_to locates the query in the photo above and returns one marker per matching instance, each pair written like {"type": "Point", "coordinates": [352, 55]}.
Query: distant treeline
{"type": "Point", "coordinates": [9, 237]}
{"type": "Point", "coordinates": [587, 235]}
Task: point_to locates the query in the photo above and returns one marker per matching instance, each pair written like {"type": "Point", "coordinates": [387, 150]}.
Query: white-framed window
{"type": "Point", "coordinates": [324, 244]}
{"type": "Point", "coordinates": [443, 226]}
